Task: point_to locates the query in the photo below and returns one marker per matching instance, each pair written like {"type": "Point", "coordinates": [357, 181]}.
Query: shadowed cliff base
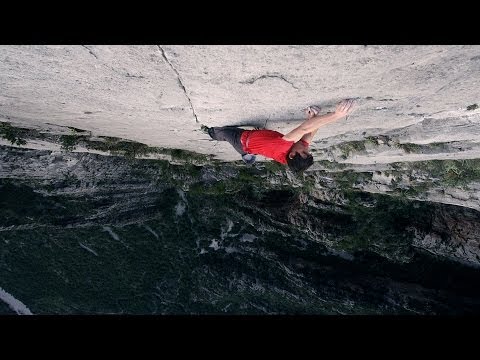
{"type": "Point", "coordinates": [86, 233]}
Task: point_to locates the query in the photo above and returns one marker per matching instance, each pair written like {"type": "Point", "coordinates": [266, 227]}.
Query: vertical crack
{"type": "Point", "coordinates": [90, 51]}
{"type": "Point", "coordinates": [179, 79]}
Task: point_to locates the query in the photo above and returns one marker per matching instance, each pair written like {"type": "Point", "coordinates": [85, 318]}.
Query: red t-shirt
{"type": "Point", "coordinates": [268, 143]}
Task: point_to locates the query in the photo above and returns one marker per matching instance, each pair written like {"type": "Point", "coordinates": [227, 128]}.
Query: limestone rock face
{"type": "Point", "coordinates": [108, 186]}
{"type": "Point", "coordinates": [160, 95]}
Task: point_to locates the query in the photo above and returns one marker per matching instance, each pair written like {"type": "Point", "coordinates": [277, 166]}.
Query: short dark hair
{"type": "Point", "coordinates": [298, 163]}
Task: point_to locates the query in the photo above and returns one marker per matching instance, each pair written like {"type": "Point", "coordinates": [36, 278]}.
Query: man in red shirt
{"type": "Point", "coordinates": [290, 149]}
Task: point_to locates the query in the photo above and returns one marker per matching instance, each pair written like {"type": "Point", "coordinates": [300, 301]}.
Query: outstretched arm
{"type": "Point", "coordinates": [309, 137]}
{"type": "Point", "coordinates": [309, 127]}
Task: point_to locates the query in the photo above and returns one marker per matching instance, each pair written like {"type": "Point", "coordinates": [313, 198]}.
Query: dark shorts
{"type": "Point", "coordinates": [231, 134]}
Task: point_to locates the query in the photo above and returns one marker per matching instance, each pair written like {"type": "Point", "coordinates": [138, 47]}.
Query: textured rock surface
{"type": "Point", "coordinates": [159, 95]}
